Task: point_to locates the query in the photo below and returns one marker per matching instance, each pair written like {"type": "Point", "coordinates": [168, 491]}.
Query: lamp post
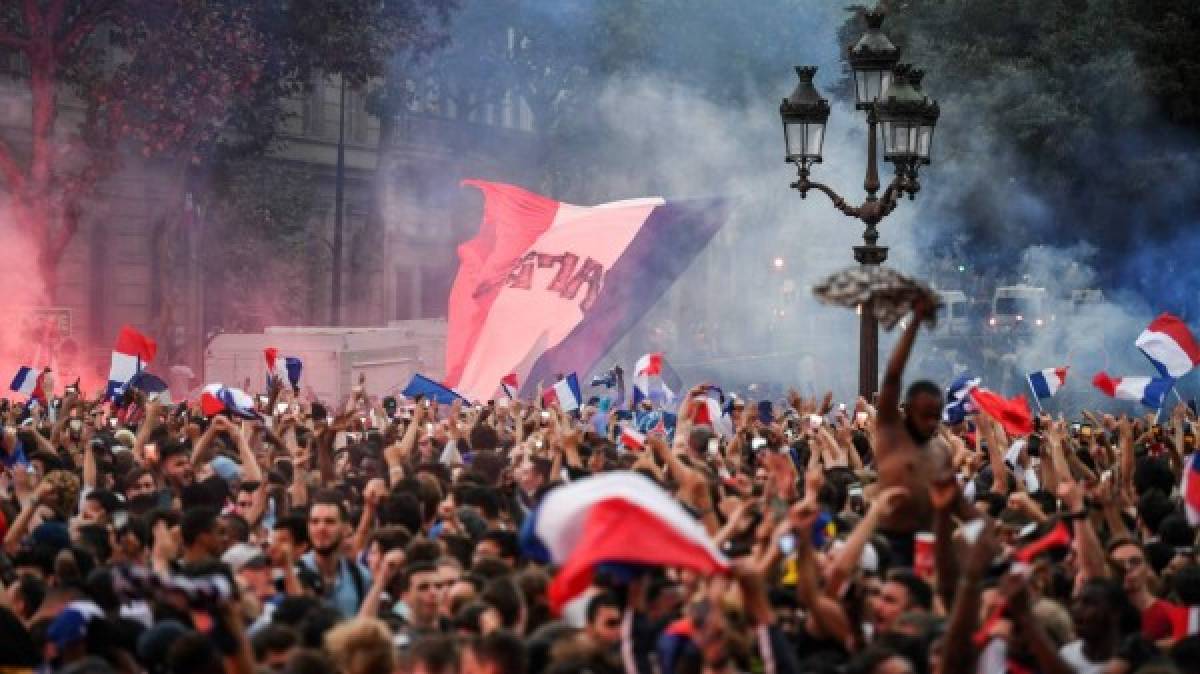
{"type": "Point", "coordinates": [897, 111]}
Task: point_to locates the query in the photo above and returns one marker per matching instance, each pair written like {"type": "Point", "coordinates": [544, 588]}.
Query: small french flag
{"type": "Point", "coordinates": [631, 439]}
{"type": "Point", "coordinates": [509, 385]}
{"type": "Point", "coordinates": [132, 352]}
{"type": "Point", "coordinates": [287, 369]}
{"type": "Point", "coordinates": [1170, 345]}
{"type": "Point", "coordinates": [1045, 383]}
{"type": "Point", "coordinates": [648, 381]}
{"type": "Point", "coordinates": [217, 398]}
{"type": "Point", "coordinates": [1150, 391]}
{"type": "Point", "coordinates": [565, 393]}
{"type": "Point", "coordinates": [27, 382]}
{"type": "Point", "coordinates": [1191, 489]}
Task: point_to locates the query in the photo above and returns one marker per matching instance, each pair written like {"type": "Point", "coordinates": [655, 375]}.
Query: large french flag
{"type": "Point", "coordinates": [1190, 488]}
{"type": "Point", "coordinates": [218, 398]}
{"type": "Point", "coordinates": [132, 352]}
{"type": "Point", "coordinates": [1045, 383]}
{"type": "Point", "coordinates": [548, 286]}
{"type": "Point", "coordinates": [609, 519]}
{"type": "Point", "coordinates": [565, 393]}
{"type": "Point", "coordinates": [29, 383]}
{"type": "Point", "coordinates": [1170, 345]}
{"type": "Point", "coordinates": [1150, 391]}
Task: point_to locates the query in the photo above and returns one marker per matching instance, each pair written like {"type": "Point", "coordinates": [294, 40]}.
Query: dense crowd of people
{"type": "Point", "coordinates": [374, 536]}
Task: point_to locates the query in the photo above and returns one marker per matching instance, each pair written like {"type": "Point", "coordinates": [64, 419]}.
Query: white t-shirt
{"type": "Point", "coordinates": [1073, 655]}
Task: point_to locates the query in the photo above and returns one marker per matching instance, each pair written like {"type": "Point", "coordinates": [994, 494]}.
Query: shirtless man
{"type": "Point", "coordinates": [906, 456]}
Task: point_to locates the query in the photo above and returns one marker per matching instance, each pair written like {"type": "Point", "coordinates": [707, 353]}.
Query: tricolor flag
{"type": "Point", "coordinates": [287, 369]}
{"type": "Point", "coordinates": [548, 287]}
{"type": "Point", "coordinates": [132, 352]}
{"type": "Point", "coordinates": [649, 381]}
{"type": "Point", "coordinates": [1190, 488]}
{"type": "Point", "coordinates": [218, 398]}
{"type": "Point", "coordinates": [1150, 391]}
{"type": "Point", "coordinates": [27, 382]}
{"type": "Point", "coordinates": [1170, 345]}
{"type": "Point", "coordinates": [1045, 383]}
{"type": "Point", "coordinates": [608, 519]}
{"type": "Point", "coordinates": [565, 393]}
{"type": "Point", "coordinates": [958, 399]}
{"type": "Point", "coordinates": [708, 412]}
{"type": "Point", "coordinates": [1013, 414]}
{"type": "Point", "coordinates": [509, 384]}
{"type": "Point", "coordinates": [631, 439]}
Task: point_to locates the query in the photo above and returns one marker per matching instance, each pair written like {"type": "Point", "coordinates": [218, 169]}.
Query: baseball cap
{"type": "Point", "coordinates": [245, 556]}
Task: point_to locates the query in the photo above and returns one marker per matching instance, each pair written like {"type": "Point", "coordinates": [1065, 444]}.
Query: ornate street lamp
{"type": "Point", "coordinates": [890, 94]}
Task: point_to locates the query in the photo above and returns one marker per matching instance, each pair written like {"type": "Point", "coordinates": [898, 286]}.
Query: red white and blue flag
{"type": "Point", "coordinates": [565, 393]}
{"type": "Point", "coordinates": [218, 398]}
{"type": "Point", "coordinates": [608, 519]}
{"type": "Point", "coordinates": [1170, 345]}
{"type": "Point", "coordinates": [1191, 489]}
{"type": "Point", "coordinates": [1150, 391]}
{"type": "Point", "coordinates": [286, 369]}
{"type": "Point", "coordinates": [29, 383]}
{"type": "Point", "coordinates": [649, 381]}
{"type": "Point", "coordinates": [1045, 383]}
{"type": "Point", "coordinates": [707, 411]}
{"type": "Point", "coordinates": [510, 385]}
{"type": "Point", "coordinates": [548, 287]}
{"type": "Point", "coordinates": [132, 352]}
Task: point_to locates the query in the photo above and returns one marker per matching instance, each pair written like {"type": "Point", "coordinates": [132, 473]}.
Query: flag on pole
{"type": "Point", "coordinates": [1045, 383]}
{"type": "Point", "coordinates": [132, 352]}
{"type": "Point", "coordinates": [1170, 345]}
{"type": "Point", "coordinates": [548, 287]}
{"type": "Point", "coordinates": [565, 393]}
{"type": "Point", "coordinates": [509, 385]}
{"type": "Point", "coordinates": [287, 369]}
{"type": "Point", "coordinates": [609, 519]}
{"type": "Point", "coordinates": [1150, 391]}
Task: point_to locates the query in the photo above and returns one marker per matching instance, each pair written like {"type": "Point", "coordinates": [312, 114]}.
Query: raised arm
{"type": "Point", "coordinates": [893, 376]}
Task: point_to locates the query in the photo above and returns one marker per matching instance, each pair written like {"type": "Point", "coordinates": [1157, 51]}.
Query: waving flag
{"type": "Point", "coordinates": [132, 352]}
{"type": "Point", "coordinates": [509, 384]}
{"type": "Point", "coordinates": [565, 393]}
{"type": "Point", "coordinates": [708, 412]}
{"type": "Point", "coordinates": [1191, 489]}
{"type": "Point", "coordinates": [958, 399]}
{"type": "Point", "coordinates": [154, 387]}
{"type": "Point", "coordinates": [608, 519]}
{"type": "Point", "coordinates": [1045, 383]}
{"type": "Point", "coordinates": [1012, 414]}
{"type": "Point", "coordinates": [27, 382]}
{"type": "Point", "coordinates": [218, 398]}
{"type": "Point", "coordinates": [548, 287]}
{"type": "Point", "coordinates": [286, 369]}
{"type": "Point", "coordinates": [1057, 538]}
{"type": "Point", "coordinates": [653, 379]}
{"type": "Point", "coordinates": [421, 385]}
{"type": "Point", "coordinates": [1150, 391]}
{"type": "Point", "coordinates": [1170, 345]}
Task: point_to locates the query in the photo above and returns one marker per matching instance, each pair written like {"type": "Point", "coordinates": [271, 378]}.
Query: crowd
{"type": "Point", "coordinates": [376, 536]}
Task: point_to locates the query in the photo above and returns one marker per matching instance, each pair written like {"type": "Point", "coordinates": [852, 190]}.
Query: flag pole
{"type": "Point", "coordinates": [1037, 401]}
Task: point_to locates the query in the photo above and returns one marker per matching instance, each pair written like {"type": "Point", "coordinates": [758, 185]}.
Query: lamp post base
{"type": "Point", "coordinates": [868, 333]}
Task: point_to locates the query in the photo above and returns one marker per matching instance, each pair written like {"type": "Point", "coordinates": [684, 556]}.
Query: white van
{"type": "Point", "coordinates": [954, 319]}
{"type": "Point", "coordinates": [1018, 307]}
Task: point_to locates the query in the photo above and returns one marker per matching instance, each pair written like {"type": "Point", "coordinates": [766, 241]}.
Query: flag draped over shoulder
{"type": "Point", "coordinates": [548, 287]}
